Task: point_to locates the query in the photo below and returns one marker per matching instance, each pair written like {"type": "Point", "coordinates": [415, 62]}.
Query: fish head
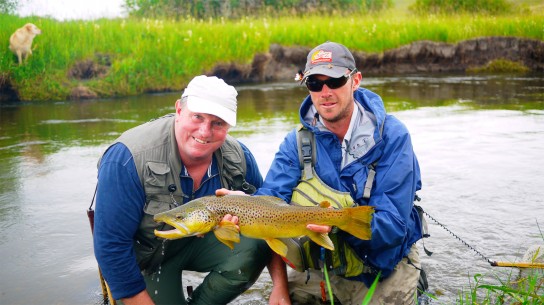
{"type": "Point", "coordinates": [187, 221]}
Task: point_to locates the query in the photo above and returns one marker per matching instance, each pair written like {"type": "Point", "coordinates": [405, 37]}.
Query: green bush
{"type": "Point", "coordinates": [462, 6]}
{"type": "Point", "coordinates": [8, 6]}
{"type": "Point", "coordinates": [204, 9]}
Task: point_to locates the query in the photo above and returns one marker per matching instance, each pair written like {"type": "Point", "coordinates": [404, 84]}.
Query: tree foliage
{"type": "Point", "coordinates": [8, 6]}
{"type": "Point", "coordinates": [462, 6]}
{"type": "Point", "coordinates": [202, 9]}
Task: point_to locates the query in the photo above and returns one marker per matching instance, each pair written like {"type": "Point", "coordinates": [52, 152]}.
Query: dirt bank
{"type": "Point", "coordinates": [281, 63]}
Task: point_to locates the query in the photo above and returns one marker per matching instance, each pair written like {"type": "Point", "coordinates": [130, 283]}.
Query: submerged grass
{"type": "Point", "coordinates": [160, 55]}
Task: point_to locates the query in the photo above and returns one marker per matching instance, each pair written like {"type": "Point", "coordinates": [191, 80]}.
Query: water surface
{"type": "Point", "coordinates": [479, 141]}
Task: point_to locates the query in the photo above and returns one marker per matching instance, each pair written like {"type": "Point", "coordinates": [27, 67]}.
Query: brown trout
{"type": "Point", "coordinates": [262, 217]}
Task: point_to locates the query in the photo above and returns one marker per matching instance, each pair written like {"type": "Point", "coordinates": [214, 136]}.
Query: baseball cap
{"type": "Point", "coordinates": [211, 95]}
{"type": "Point", "coordinates": [330, 59]}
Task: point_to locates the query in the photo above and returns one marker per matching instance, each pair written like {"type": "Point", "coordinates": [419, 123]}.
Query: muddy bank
{"type": "Point", "coordinates": [281, 63]}
{"type": "Point", "coordinates": [7, 92]}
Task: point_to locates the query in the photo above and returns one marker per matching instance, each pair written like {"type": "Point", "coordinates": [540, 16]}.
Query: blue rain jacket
{"type": "Point", "coordinates": [396, 224]}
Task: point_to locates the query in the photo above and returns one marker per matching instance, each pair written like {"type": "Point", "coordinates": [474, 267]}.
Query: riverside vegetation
{"type": "Point", "coordinates": [122, 57]}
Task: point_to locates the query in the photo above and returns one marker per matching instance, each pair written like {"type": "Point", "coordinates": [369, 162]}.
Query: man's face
{"type": "Point", "coordinates": [198, 135]}
{"type": "Point", "coordinates": [334, 105]}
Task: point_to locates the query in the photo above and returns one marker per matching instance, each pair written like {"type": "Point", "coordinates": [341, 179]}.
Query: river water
{"type": "Point", "coordinates": [479, 140]}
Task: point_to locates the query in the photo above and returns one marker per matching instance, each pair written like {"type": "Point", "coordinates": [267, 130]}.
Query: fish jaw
{"type": "Point", "coordinates": [185, 223]}
{"type": "Point", "coordinates": [180, 230]}
{"type": "Point", "coordinates": [170, 234]}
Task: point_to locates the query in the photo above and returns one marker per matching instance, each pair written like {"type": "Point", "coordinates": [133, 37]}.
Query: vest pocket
{"type": "Point", "coordinates": [156, 174]}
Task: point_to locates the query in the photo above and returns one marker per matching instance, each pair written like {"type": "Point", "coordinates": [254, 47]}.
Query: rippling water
{"type": "Point", "coordinates": [479, 141]}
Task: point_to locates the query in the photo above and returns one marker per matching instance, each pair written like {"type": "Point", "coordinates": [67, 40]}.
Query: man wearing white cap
{"type": "Point", "coordinates": [157, 166]}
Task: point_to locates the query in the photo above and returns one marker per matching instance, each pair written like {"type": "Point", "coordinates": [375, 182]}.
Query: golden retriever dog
{"type": "Point", "coordinates": [20, 42]}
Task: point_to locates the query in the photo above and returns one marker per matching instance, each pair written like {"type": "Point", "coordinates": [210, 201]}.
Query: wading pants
{"type": "Point", "coordinates": [398, 288]}
{"type": "Point", "coordinates": [231, 272]}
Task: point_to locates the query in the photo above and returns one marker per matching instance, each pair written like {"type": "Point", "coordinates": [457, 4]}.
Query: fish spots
{"type": "Point", "coordinates": [265, 217]}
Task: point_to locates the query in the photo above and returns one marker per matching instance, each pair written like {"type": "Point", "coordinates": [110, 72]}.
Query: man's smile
{"type": "Point", "coordinates": [200, 141]}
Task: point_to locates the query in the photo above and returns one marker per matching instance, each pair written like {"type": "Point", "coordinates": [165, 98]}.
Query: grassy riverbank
{"type": "Point", "coordinates": [159, 55]}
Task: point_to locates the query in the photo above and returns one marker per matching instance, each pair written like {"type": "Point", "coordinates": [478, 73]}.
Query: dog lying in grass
{"type": "Point", "coordinates": [20, 42]}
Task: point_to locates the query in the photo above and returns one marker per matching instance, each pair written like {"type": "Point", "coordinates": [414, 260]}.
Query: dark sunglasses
{"type": "Point", "coordinates": [316, 85]}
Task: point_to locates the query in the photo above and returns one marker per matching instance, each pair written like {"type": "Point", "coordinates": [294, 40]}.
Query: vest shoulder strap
{"type": "Point", "coordinates": [306, 151]}
{"type": "Point", "coordinates": [307, 155]}
{"type": "Point", "coordinates": [232, 166]}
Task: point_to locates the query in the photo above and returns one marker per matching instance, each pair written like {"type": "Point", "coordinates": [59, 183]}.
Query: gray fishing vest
{"type": "Point", "coordinates": [154, 149]}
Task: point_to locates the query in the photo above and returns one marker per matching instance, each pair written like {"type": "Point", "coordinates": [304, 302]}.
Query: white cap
{"type": "Point", "coordinates": [211, 95]}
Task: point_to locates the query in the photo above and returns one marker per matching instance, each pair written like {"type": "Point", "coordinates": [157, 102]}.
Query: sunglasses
{"type": "Point", "coordinates": [316, 85]}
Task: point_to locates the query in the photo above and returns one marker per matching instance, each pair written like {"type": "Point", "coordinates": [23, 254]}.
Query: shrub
{"type": "Point", "coordinates": [462, 6]}
{"type": "Point", "coordinates": [204, 9]}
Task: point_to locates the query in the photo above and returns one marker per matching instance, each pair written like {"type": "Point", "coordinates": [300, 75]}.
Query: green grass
{"type": "Point", "coordinates": [160, 55]}
{"type": "Point", "coordinates": [512, 286]}
{"type": "Point", "coordinates": [514, 290]}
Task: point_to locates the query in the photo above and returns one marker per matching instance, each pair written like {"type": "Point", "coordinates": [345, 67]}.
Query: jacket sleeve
{"type": "Point", "coordinates": [284, 171]}
{"type": "Point", "coordinates": [119, 208]}
{"type": "Point", "coordinates": [397, 179]}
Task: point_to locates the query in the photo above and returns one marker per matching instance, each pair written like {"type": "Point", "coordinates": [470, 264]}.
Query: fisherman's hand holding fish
{"type": "Point", "coordinates": [228, 217]}
{"type": "Point", "coordinates": [224, 191]}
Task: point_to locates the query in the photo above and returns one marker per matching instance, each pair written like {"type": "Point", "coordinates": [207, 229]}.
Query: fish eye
{"type": "Point", "coordinates": [179, 217]}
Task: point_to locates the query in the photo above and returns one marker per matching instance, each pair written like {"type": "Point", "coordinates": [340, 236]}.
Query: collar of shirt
{"type": "Point", "coordinates": [347, 137]}
{"type": "Point", "coordinates": [358, 139]}
{"type": "Point", "coordinates": [206, 188]}
{"type": "Point", "coordinates": [208, 172]}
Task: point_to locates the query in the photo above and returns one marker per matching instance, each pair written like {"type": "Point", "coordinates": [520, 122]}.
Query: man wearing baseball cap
{"type": "Point", "coordinates": [157, 166]}
{"type": "Point", "coordinates": [363, 154]}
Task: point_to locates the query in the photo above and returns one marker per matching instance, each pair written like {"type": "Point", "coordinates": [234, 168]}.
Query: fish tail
{"type": "Point", "coordinates": [358, 223]}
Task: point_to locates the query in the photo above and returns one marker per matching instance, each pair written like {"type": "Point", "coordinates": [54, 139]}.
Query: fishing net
{"type": "Point", "coordinates": [535, 254]}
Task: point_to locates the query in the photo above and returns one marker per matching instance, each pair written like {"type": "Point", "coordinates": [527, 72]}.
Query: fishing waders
{"type": "Point", "coordinates": [230, 272]}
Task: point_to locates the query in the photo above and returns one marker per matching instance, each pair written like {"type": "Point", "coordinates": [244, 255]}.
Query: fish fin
{"type": "Point", "coordinates": [324, 204]}
{"type": "Point", "coordinates": [277, 246]}
{"type": "Point", "coordinates": [321, 239]}
{"type": "Point", "coordinates": [227, 233]}
{"type": "Point", "coordinates": [359, 222]}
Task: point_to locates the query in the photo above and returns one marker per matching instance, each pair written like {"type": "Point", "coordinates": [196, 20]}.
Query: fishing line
{"type": "Point", "coordinates": [492, 263]}
{"type": "Point", "coordinates": [459, 238]}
